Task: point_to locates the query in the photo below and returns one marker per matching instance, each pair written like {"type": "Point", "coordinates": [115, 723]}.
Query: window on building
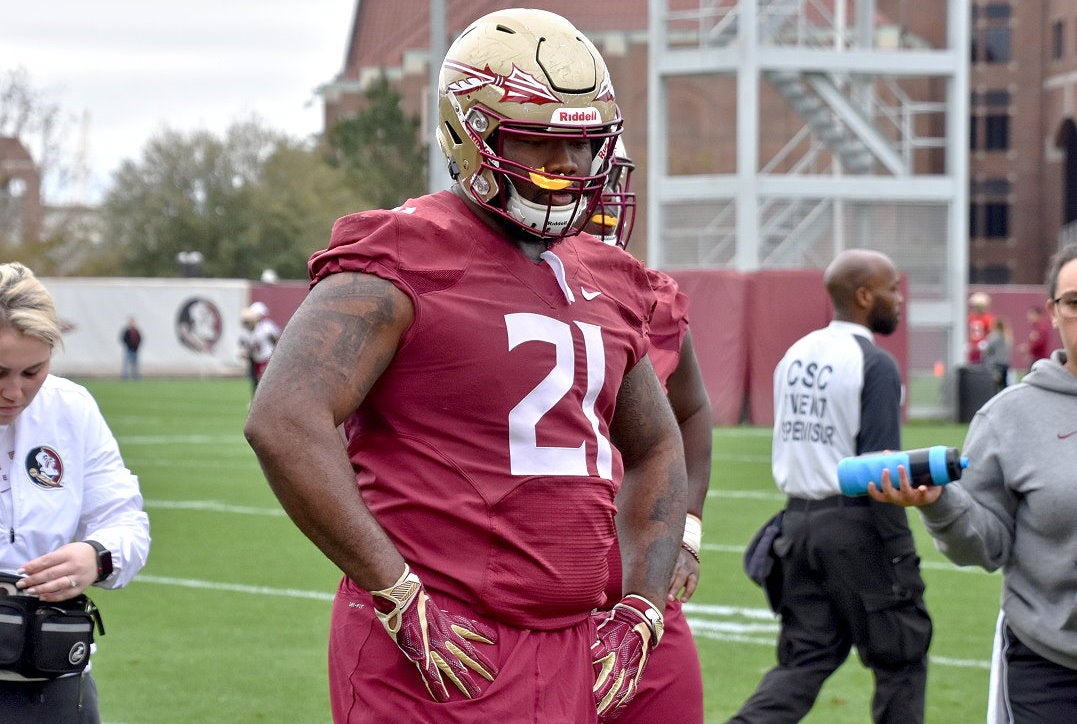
{"type": "Point", "coordinates": [996, 133]}
{"type": "Point", "coordinates": [1057, 43]}
{"type": "Point", "coordinates": [991, 98]}
{"type": "Point", "coordinates": [996, 45]}
{"type": "Point", "coordinates": [989, 132]}
{"type": "Point", "coordinates": [996, 220]}
{"type": "Point", "coordinates": [995, 274]}
{"type": "Point", "coordinates": [989, 126]}
{"type": "Point", "coordinates": [992, 38]}
{"type": "Point", "coordinates": [989, 219]}
{"type": "Point", "coordinates": [992, 187]}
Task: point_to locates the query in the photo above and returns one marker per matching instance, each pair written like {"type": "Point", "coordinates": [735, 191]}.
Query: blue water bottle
{"type": "Point", "coordinates": [936, 465]}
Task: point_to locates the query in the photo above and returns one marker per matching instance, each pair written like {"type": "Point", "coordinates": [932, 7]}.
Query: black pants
{"type": "Point", "coordinates": [850, 576]}
{"type": "Point", "coordinates": [67, 700]}
{"type": "Point", "coordinates": [1036, 691]}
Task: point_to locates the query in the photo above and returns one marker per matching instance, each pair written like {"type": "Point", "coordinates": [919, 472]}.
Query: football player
{"type": "Point", "coordinates": [672, 687]}
{"type": "Point", "coordinates": [490, 370]}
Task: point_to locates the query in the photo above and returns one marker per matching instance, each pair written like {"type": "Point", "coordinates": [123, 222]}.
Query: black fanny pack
{"type": "Point", "coordinates": [40, 639]}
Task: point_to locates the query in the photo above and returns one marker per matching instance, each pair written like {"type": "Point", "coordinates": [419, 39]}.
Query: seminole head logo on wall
{"type": "Point", "coordinates": [198, 325]}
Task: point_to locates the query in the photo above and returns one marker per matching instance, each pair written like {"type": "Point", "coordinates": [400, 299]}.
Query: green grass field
{"type": "Point", "coordinates": [228, 621]}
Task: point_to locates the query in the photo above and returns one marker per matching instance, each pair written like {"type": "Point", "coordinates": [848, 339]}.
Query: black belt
{"type": "Point", "coordinates": [835, 501]}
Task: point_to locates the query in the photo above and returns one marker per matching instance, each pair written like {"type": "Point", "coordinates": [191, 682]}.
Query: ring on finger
{"type": "Point", "coordinates": [73, 582]}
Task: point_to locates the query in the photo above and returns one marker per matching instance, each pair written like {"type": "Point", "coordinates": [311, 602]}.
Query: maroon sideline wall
{"type": "Point", "coordinates": [783, 306]}
{"type": "Point", "coordinates": [743, 323]}
{"type": "Point", "coordinates": [719, 323]}
{"type": "Point", "coordinates": [282, 299]}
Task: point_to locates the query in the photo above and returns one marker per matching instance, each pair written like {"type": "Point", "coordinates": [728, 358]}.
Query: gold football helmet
{"type": "Point", "coordinates": [529, 74]}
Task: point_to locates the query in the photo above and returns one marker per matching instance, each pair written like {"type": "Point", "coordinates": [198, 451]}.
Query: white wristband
{"type": "Point", "coordinates": [693, 532]}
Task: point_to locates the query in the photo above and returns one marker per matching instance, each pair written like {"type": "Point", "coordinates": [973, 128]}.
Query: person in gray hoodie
{"type": "Point", "coordinates": [1014, 508]}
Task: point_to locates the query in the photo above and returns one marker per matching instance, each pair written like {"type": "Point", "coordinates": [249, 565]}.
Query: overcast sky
{"type": "Point", "coordinates": [138, 66]}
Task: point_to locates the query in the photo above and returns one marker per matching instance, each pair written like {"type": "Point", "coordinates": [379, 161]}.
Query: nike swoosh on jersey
{"type": "Point", "coordinates": [1068, 434]}
{"type": "Point", "coordinates": [588, 295]}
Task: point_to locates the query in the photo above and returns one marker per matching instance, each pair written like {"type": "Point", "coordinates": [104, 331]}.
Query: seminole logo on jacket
{"type": "Point", "coordinates": [45, 468]}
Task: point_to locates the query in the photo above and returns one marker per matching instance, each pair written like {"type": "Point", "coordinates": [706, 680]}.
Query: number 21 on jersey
{"type": "Point", "coordinates": [526, 456]}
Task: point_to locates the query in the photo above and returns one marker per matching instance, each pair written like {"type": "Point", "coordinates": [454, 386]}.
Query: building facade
{"type": "Point", "coordinates": [20, 194]}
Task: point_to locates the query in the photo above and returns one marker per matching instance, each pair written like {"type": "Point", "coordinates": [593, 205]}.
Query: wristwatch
{"type": "Point", "coordinates": [104, 560]}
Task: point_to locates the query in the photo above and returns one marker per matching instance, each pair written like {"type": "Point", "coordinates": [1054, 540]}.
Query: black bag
{"type": "Point", "coordinates": [760, 563]}
{"type": "Point", "coordinates": [41, 639]}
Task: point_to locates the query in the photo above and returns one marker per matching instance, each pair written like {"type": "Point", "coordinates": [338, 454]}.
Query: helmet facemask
{"type": "Point", "coordinates": [615, 214]}
{"type": "Point", "coordinates": [578, 194]}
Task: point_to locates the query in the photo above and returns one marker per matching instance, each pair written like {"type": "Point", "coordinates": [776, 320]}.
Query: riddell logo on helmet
{"type": "Point", "coordinates": [576, 117]}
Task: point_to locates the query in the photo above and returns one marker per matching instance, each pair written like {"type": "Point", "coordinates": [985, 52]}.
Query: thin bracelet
{"type": "Point", "coordinates": [691, 552]}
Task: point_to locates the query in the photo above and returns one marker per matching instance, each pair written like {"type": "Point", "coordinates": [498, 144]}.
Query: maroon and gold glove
{"type": "Point", "coordinates": [436, 641]}
{"type": "Point", "coordinates": [626, 635]}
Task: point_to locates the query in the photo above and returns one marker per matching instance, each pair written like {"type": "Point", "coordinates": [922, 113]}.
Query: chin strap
{"type": "Point", "coordinates": [548, 221]}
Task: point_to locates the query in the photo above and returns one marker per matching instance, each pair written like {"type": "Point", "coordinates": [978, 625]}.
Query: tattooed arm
{"type": "Point", "coordinates": [332, 351]}
{"type": "Point", "coordinates": [651, 502]}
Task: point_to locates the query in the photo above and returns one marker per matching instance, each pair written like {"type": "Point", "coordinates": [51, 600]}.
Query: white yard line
{"type": "Point", "coordinates": [214, 506]}
{"type": "Point", "coordinates": [706, 620]}
{"type": "Point", "coordinates": [234, 587]}
{"type": "Point", "coordinates": [181, 439]}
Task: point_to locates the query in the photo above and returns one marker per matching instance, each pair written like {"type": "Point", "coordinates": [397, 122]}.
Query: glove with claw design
{"type": "Point", "coordinates": [626, 635]}
{"type": "Point", "coordinates": [437, 642]}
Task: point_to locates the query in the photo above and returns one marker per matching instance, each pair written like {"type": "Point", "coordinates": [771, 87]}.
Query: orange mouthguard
{"type": "Point", "coordinates": [550, 183]}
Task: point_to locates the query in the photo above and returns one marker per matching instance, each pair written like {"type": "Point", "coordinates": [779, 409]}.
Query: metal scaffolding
{"type": "Point", "coordinates": [850, 131]}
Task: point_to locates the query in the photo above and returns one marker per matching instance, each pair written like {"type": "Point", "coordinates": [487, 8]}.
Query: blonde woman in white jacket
{"type": "Point", "coordinates": [70, 511]}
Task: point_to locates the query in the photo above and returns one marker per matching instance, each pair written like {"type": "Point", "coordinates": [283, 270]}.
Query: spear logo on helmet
{"type": "Point", "coordinates": [518, 86]}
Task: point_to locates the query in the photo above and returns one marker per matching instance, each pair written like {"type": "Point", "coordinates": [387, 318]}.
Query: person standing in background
{"type": "Point", "coordinates": [672, 689]}
{"type": "Point", "coordinates": [257, 340]}
{"type": "Point", "coordinates": [1013, 509]}
{"type": "Point", "coordinates": [247, 320]}
{"type": "Point", "coordinates": [1037, 345]}
{"type": "Point", "coordinates": [997, 351]}
{"type": "Point", "coordinates": [131, 339]}
{"type": "Point", "coordinates": [850, 575]}
{"type": "Point", "coordinates": [980, 320]}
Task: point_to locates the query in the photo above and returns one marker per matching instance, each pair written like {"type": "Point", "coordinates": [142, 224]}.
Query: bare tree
{"type": "Point", "coordinates": [28, 114]}
{"type": "Point", "coordinates": [51, 240]}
